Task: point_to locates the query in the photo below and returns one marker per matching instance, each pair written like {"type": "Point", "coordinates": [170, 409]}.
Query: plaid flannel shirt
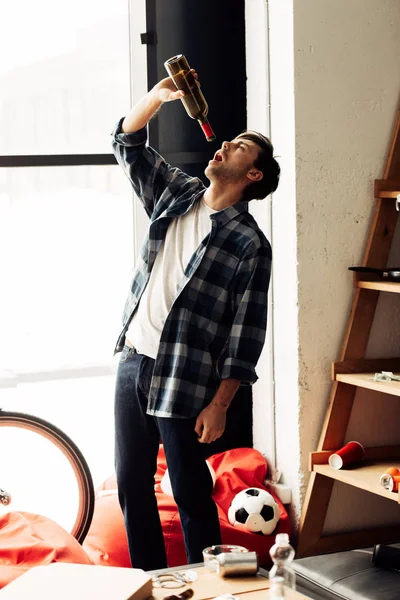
{"type": "Point", "coordinates": [216, 326]}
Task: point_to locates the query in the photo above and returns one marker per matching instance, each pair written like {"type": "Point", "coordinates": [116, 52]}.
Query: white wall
{"type": "Point", "coordinates": [258, 118]}
{"type": "Point", "coordinates": [284, 240]}
{"type": "Point", "coordinates": [335, 84]}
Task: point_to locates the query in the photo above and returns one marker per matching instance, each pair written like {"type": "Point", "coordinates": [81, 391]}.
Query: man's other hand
{"type": "Point", "coordinates": [210, 423]}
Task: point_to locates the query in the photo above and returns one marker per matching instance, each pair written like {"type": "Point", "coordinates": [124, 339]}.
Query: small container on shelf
{"type": "Point", "coordinates": [351, 453]}
{"type": "Point", "coordinates": [390, 480]}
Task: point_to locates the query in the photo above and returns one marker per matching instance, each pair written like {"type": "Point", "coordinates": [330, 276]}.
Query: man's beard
{"type": "Point", "coordinates": [224, 174]}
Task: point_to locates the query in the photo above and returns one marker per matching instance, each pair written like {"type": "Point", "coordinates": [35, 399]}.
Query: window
{"type": "Point", "coordinates": [64, 75]}
{"type": "Point", "coordinates": [66, 216]}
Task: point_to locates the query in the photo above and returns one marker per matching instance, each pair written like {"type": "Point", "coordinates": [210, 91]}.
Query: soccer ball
{"type": "Point", "coordinates": [256, 509]}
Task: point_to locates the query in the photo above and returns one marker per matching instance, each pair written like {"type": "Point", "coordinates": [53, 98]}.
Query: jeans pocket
{"type": "Point", "coordinates": [126, 354]}
{"type": "Point", "coordinates": [146, 373]}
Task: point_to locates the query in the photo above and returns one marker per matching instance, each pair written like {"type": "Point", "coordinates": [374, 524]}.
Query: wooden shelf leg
{"type": "Point", "coordinates": [337, 417]}
{"type": "Point", "coordinates": [320, 488]}
{"type": "Point", "coordinates": [314, 512]}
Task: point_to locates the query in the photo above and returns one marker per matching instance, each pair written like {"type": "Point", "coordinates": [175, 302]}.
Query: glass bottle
{"type": "Point", "coordinates": [194, 101]}
{"type": "Point", "coordinates": [282, 554]}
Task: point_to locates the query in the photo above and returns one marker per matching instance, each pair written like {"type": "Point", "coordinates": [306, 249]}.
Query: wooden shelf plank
{"type": "Point", "coordinates": [387, 188]}
{"type": "Point", "coordinates": [365, 380]}
{"type": "Point", "coordinates": [372, 454]}
{"type": "Point", "coordinates": [364, 477]}
{"type": "Point", "coordinates": [388, 194]}
{"type": "Point", "coordinates": [365, 365]}
{"type": "Point", "coordinates": [382, 286]}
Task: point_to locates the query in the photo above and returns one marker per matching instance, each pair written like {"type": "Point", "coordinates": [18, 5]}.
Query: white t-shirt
{"type": "Point", "coordinates": [183, 237]}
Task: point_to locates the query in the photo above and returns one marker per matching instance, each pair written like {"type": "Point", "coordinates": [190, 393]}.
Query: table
{"type": "Point", "coordinates": [229, 583]}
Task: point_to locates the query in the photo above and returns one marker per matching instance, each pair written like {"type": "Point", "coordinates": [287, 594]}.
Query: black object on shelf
{"type": "Point", "coordinates": [389, 274]}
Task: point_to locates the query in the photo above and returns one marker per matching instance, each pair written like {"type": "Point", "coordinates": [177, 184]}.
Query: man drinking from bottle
{"type": "Point", "coordinates": [194, 324]}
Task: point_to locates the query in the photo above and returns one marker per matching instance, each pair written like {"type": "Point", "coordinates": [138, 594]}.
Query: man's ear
{"type": "Point", "coordinates": [255, 175]}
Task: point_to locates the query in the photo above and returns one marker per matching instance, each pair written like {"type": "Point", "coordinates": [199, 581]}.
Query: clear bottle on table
{"type": "Point", "coordinates": [277, 589]}
{"type": "Point", "coordinates": [282, 554]}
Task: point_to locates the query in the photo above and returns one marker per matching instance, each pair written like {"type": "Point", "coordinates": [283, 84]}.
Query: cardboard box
{"type": "Point", "coordinates": [66, 581]}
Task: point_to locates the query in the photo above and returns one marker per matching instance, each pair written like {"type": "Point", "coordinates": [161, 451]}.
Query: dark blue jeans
{"type": "Point", "coordinates": [137, 439]}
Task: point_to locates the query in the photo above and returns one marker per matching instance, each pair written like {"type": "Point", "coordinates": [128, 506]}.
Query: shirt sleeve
{"type": "Point", "coordinates": [149, 174]}
{"type": "Point", "coordinates": [248, 331]}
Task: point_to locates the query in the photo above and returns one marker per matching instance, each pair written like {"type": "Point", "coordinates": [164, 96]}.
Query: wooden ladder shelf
{"type": "Point", "coordinates": [351, 372]}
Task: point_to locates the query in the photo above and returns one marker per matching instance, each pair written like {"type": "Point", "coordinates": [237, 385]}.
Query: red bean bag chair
{"type": "Point", "coordinates": [235, 470]}
{"type": "Point", "coordinates": [28, 540]}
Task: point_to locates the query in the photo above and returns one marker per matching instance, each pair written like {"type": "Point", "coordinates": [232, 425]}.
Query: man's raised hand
{"type": "Point", "coordinates": [166, 89]}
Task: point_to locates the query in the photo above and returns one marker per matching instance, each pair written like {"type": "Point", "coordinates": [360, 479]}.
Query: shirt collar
{"type": "Point", "coordinates": [222, 217]}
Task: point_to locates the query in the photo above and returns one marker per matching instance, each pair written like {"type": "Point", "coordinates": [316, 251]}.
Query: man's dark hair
{"type": "Point", "coordinates": [266, 163]}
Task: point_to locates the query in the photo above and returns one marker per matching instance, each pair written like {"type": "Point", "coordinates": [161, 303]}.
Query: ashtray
{"type": "Point", "coordinates": [210, 554]}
